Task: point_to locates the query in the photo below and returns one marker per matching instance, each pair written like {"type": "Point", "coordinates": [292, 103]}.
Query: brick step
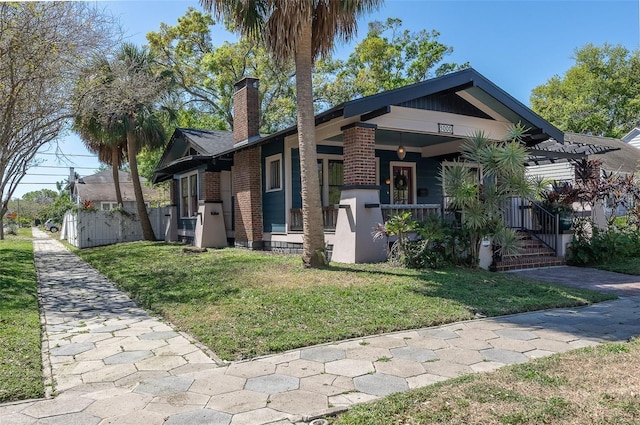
{"type": "Point", "coordinates": [533, 252]}
{"type": "Point", "coordinates": [529, 262]}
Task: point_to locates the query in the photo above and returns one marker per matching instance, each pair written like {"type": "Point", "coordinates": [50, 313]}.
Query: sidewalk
{"type": "Point", "coordinates": [112, 363]}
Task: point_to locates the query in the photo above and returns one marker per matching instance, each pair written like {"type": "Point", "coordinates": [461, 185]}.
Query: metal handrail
{"type": "Point", "coordinates": [529, 216]}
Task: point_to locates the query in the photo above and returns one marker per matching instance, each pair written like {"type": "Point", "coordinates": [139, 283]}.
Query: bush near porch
{"type": "Point", "coordinates": [243, 304]}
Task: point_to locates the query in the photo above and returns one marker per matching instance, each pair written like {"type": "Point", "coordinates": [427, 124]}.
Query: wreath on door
{"type": "Point", "coordinates": [400, 182]}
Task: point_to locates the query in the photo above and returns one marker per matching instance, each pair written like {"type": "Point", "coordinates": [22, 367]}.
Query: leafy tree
{"type": "Point", "coordinates": [124, 94]}
{"type": "Point", "coordinates": [599, 95]}
{"type": "Point", "coordinates": [205, 75]}
{"type": "Point", "coordinates": [389, 57]}
{"type": "Point", "coordinates": [43, 46]}
{"type": "Point", "coordinates": [32, 203]}
{"type": "Point", "coordinates": [301, 31]}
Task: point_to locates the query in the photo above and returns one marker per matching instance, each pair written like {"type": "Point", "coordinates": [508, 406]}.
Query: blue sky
{"type": "Point", "coordinates": [517, 44]}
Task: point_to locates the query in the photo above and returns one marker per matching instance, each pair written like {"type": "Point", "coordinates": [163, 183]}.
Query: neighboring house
{"type": "Point", "coordinates": [99, 189]}
{"type": "Point", "coordinates": [633, 138]}
{"type": "Point", "coordinates": [616, 156]}
{"type": "Point", "coordinates": [376, 155]}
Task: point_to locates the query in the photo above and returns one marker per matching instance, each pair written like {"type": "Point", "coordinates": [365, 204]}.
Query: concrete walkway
{"type": "Point", "coordinates": [112, 363]}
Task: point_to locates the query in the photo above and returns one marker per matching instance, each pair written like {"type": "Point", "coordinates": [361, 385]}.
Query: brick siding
{"type": "Point", "coordinates": [211, 186]}
{"type": "Point", "coordinates": [359, 155]}
{"type": "Point", "coordinates": [173, 192]}
{"type": "Point", "coordinates": [246, 110]}
{"type": "Point", "coordinates": [247, 191]}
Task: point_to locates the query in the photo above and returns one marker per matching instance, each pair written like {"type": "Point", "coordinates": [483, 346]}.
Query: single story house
{"type": "Point", "coordinates": [633, 138]}
{"type": "Point", "coordinates": [376, 155]}
{"type": "Point", "coordinates": [616, 156]}
{"type": "Point", "coordinates": [99, 189]}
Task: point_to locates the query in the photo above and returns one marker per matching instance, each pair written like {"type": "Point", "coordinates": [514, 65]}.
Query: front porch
{"type": "Point", "coordinates": [330, 214]}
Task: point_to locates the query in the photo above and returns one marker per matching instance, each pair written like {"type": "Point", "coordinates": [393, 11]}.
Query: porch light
{"type": "Point", "coordinates": [402, 152]}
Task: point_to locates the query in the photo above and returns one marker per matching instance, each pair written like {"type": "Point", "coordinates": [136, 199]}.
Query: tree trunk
{"type": "Point", "coordinates": [145, 223]}
{"type": "Point", "coordinates": [313, 248]}
{"type": "Point", "coordinates": [115, 168]}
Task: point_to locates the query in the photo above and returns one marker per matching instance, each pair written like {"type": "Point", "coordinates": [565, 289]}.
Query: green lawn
{"type": "Point", "coordinates": [20, 358]}
{"type": "Point", "coordinates": [622, 265]}
{"type": "Point", "coordinates": [587, 386]}
{"type": "Point", "coordinates": [242, 304]}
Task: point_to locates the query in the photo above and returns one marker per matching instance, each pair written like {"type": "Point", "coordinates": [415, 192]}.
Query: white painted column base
{"type": "Point", "coordinates": [358, 216]}
{"type": "Point", "coordinates": [171, 229]}
{"type": "Point", "coordinates": [210, 231]}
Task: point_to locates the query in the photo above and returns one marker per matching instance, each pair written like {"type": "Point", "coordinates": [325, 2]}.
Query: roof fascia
{"type": "Point", "coordinates": [455, 81]}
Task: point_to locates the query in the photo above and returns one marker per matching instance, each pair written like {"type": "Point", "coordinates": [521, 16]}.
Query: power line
{"type": "Point", "coordinates": [62, 166]}
{"type": "Point", "coordinates": [67, 154]}
{"type": "Point", "coordinates": [51, 175]}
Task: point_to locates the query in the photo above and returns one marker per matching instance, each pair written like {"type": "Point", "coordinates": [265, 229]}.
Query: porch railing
{"type": "Point", "coordinates": [329, 218]}
{"type": "Point", "coordinates": [418, 211]}
{"type": "Point", "coordinates": [531, 217]}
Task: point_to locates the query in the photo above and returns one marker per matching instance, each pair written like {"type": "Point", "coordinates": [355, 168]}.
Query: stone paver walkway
{"type": "Point", "coordinates": [112, 363]}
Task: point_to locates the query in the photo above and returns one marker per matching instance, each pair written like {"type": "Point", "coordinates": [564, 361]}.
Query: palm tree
{"type": "Point", "coordinates": [301, 30]}
{"type": "Point", "coordinates": [123, 93]}
{"type": "Point", "coordinates": [110, 149]}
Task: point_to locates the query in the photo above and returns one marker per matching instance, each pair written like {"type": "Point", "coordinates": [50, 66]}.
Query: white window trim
{"type": "Point", "coordinates": [267, 166]}
{"type": "Point", "coordinates": [111, 205]}
{"type": "Point", "coordinates": [188, 177]}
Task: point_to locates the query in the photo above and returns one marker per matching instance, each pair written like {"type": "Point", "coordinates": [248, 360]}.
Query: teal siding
{"type": "Point", "coordinates": [273, 203]}
{"type": "Point", "coordinates": [296, 185]}
{"type": "Point", "coordinates": [427, 172]}
{"type": "Point", "coordinates": [428, 177]}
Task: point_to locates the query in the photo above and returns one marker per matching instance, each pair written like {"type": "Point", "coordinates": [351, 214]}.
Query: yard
{"type": "Point", "coordinates": [587, 386]}
{"type": "Point", "coordinates": [20, 360]}
{"type": "Point", "coordinates": [243, 304]}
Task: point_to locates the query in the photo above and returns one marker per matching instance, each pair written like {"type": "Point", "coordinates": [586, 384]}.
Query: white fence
{"type": "Point", "coordinates": [86, 229]}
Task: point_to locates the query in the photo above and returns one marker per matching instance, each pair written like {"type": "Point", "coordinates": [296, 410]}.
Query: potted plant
{"type": "Point", "coordinates": [559, 200]}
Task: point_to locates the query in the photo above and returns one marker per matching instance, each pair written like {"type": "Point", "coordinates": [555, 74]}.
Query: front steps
{"type": "Point", "coordinates": [534, 254]}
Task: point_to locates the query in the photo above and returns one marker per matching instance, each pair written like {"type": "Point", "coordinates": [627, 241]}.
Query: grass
{"type": "Point", "coordinates": [243, 304]}
{"type": "Point", "coordinates": [20, 358]}
{"type": "Point", "coordinates": [626, 265]}
{"type": "Point", "coordinates": [588, 386]}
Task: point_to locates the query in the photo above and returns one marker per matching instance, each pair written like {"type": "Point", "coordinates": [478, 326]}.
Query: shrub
{"type": "Point", "coordinates": [614, 242]}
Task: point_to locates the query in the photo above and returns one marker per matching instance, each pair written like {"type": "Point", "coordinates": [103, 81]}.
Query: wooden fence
{"type": "Point", "coordinates": [86, 229]}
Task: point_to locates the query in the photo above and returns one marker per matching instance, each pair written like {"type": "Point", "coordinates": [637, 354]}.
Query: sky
{"type": "Point", "coordinates": [517, 44]}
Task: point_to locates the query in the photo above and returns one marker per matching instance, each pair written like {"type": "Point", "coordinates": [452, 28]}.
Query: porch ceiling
{"type": "Point", "coordinates": [393, 138]}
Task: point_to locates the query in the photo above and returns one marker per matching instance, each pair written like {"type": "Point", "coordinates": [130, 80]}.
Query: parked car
{"type": "Point", "coordinates": [51, 226]}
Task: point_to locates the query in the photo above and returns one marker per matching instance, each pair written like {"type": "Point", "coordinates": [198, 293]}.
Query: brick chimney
{"type": "Point", "coordinates": [246, 111]}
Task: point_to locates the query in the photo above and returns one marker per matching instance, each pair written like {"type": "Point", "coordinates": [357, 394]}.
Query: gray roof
{"type": "Point", "coordinates": [190, 147]}
{"type": "Point", "coordinates": [208, 142]}
{"type": "Point", "coordinates": [620, 158]}
{"type": "Point", "coordinates": [99, 187]}
{"type": "Point", "coordinates": [616, 155]}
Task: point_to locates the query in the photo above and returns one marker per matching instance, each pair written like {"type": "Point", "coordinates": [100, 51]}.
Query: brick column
{"type": "Point", "coordinates": [359, 157]}
{"type": "Point", "coordinates": [173, 192]}
{"type": "Point", "coordinates": [247, 191]}
{"type": "Point", "coordinates": [211, 186]}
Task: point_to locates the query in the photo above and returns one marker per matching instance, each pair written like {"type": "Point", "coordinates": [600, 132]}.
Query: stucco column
{"type": "Point", "coordinates": [359, 209]}
{"type": "Point", "coordinates": [210, 231]}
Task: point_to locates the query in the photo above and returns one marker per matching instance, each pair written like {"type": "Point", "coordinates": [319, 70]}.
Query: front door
{"type": "Point", "coordinates": [402, 184]}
